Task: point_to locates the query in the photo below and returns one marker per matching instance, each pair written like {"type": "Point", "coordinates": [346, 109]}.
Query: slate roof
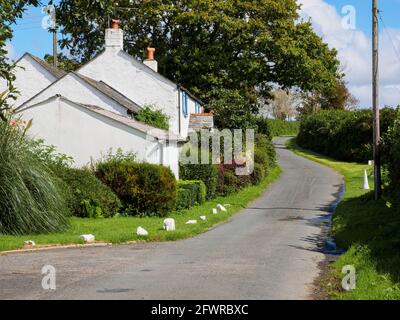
{"type": "Point", "coordinates": [58, 73]}
{"type": "Point", "coordinates": [110, 92]}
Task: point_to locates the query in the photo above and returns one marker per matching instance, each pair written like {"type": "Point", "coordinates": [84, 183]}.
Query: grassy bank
{"type": "Point", "coordinates": [369, 230]}
{"type": "Point", "coordinates": [123, 229]}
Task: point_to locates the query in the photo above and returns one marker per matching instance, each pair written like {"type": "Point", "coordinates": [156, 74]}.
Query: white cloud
{"type": "Point", "coordinates": [354, 51]}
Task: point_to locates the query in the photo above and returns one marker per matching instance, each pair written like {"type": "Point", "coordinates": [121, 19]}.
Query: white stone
{"type": "Point", "coordinates": [214, 211]}
{"type": "Point", "coordinates": [30, 243]}
{"type": "Point", "coordinates": [366, 183]}
{"type": "Point", "coordinates": [204, 218]}
{"type": "Point", "coordinates": [191, 222]}
{"type": "Point", "coordinates": [221, 207]}
{"type": "Point", "coordinates": [141, 232]}
{"type": "Point", "coordinates": [169, 224]}
{"type": "Point", "coordinates": [88, 238]}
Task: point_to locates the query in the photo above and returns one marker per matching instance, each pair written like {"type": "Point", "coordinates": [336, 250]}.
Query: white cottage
{"type": "Point", "coordinates": [88, 112]}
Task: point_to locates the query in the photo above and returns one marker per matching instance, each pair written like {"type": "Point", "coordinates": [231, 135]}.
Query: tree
{"type": "Point", "coordinates": [283, 104]}
{"type": "Point", "coordinates": [208, 45]}
{"type": "Point", "coordinates": [10, 11]}
{"type": "Point", "coordinates": [63, 62]}
{"type": "Point", "coordinates": [339, 98]}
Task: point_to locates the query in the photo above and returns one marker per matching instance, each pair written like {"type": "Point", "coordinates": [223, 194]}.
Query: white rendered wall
{"type": "Point", "coordinates": [136, 81]}
{"type": "Point", "coordinates": [31, 78]}
{"type": "Point", "coordinates": [86, 136]}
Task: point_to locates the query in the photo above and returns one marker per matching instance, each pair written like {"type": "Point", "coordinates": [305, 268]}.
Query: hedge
{"type": "Point", "coordinates": [190, 193]}
{"type": "Point", "coordinates": [208, 173]}
{"type": "Point", "coordinates": [276, 128]}
{"type": "Point", "coordinates": [391, 153]}
{"type": "Point", "coordinates": [87, 196]}
{"type": "Point", "coordinates": [144, 189]}
{"type": "Point", "coordinates": [343, 135]}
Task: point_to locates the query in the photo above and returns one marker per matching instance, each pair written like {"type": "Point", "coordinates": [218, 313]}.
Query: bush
{"type": "Point", "coordinates": [228, 182]}
{"type": "Point", "coordinates": [391, 153]}
{"type": "Point", "coordinates": [343, 135]}
{"type": "Point", "coordinates": [208, 173]}
{"type": "Point", "coordinates": [30, 201]}
{"type": "Point", "coordinates": [258, 174]}
{"type": "Point", "coordinates": [276, 128]}
{"type": "Point", "coordinates": [190, 193]}
{"type": "Point", "coordinates": [264, 152]}
{"type": "Point", "coordinates": [88, 196]}
{"type": "Point", "coordinates": [144, 189]}
{"type": "Point", "coordinates": [152, 117]}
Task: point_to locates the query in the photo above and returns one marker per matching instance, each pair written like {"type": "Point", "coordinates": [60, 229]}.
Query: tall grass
{"type": "Point", "coordinates": [30, 201]}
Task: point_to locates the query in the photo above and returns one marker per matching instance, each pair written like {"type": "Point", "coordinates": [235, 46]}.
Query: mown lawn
{"type": "Point", "coordinates": [369, 230]}
{"type": "Point", "coordinates": [123, 229]}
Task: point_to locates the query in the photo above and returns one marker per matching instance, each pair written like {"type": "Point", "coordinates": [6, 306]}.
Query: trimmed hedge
{"type": "Point", "coordinates": [343, 135]}
{"type": "Point", "coordinates": [208, 173]}
{"type": "Point", "coordinates": [276, 128]}
{"type": "Point", "coordinates": [86, 195]}
{"type": "Point", "coordinates": [190, 193]}
{"type": "Point", "coordinates": [144, 189]}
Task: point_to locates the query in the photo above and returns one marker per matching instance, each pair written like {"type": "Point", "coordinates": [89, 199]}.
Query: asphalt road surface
{"type": "Point", "coordinates": [270, 250]}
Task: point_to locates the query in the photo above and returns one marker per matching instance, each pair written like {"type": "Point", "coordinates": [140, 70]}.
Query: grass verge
{"type": "Point", "coordinates": [369, 230]}
{"type": "Point", "coordinates": [123, 229]}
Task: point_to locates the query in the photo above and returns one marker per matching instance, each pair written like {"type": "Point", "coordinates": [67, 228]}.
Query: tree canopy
{"type": "Point", "coordinates": [206, 45]}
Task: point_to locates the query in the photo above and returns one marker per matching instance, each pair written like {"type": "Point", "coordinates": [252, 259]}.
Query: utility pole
{"type": "Point", "coordinates": [375, 99]}
{"type": "Point", "coordinates": [54, 39]}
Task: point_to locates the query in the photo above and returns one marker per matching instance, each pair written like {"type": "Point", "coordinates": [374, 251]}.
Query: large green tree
{"type": "Point", "coordinates": [207, 45]}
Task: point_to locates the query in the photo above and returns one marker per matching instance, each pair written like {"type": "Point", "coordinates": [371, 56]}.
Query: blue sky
{"type": "Point", "coordinates": [326, 16]}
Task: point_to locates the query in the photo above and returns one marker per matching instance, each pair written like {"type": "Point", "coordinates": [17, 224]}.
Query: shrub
{"type": "Point", "coordinates": [190, 193]}
{"type": "Point", "coordinates": [144, 189]}
{"type": "Point", "coordinates": [153, 117]}
{"type": "Point", "coordinates": [276, 127]}
{"type": "Point", "coordinates": [30, 201]}
{"type": "Point", "coordinates": [343, 135]}
{"type": "Point", "coordinates": [208, 173]}
{"type": "Point", "coordinates": [228, 182]}
{"type": "Point", "coordinates": [264, 152]}
{"type": "Point", "coordinates": [88, 196]}
{"type": "Point", "coordinates": [391, 153]}
{"type": "Point", "coordinates": [258, 174]}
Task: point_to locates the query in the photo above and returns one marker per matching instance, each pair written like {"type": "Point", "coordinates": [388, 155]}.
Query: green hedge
{"type": "Point", "coordinates": [343, 135]}
{"type": "Point", "coordinates": [144, 189]}
{"type": "Point", "coordinates": [208, 173]}
{"type": "Point", "coordinates": [87, 196]}
{"type": "Point", "coordinates": [391, 153]}
{"type": "Point", "coordinates": [190, 193]}
{"type": "Point", "coordinates": [276, 128]}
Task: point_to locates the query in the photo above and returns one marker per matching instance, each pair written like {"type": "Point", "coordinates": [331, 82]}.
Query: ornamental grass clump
{"type": "Point", "coordinates": [30, 201]}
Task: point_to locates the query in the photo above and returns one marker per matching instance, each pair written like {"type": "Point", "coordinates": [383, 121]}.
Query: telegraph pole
{"type": "Point", "coordinates": [54, 39]}
{"type": "Point", "coordinates": [375, 99]}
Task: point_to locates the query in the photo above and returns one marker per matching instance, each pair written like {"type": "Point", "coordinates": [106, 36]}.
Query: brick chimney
{"type": "Point", "coordinates": [149, 61]}
{"type": "Point", "coordinates": [114, 36]}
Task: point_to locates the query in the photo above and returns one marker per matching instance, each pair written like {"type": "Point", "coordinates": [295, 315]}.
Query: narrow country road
{"type": "Point", "coordinates": [269, 250]}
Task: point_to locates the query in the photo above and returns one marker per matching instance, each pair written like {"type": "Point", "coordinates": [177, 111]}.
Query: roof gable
{"type": "Point", "coordinates": [101, 87]}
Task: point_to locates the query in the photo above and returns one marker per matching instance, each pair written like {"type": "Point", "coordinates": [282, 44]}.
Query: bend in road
{"type": "Point", "coordinates": [270, 250]}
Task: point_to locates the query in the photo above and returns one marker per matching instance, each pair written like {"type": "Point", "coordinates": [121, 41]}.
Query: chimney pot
{"type": "Point", "coordinates": [115, 24]}
{"type": "Point", "coordinates": [150, 53]}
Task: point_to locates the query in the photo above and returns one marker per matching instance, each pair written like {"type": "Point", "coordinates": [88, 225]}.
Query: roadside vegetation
{"type": "Point", "coordinates": [123, 229]}
{"type": "Point", "coordinates": [280, 128]}
{"type": "Point", "coordinates": [369, 232]}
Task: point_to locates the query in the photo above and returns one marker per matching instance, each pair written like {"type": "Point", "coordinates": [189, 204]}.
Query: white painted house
{"type": "Point", "coordinates": [88, 112]}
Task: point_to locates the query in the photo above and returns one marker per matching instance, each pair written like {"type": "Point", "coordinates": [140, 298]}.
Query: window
{"type": "Point", "coordinates": [185, 103]}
